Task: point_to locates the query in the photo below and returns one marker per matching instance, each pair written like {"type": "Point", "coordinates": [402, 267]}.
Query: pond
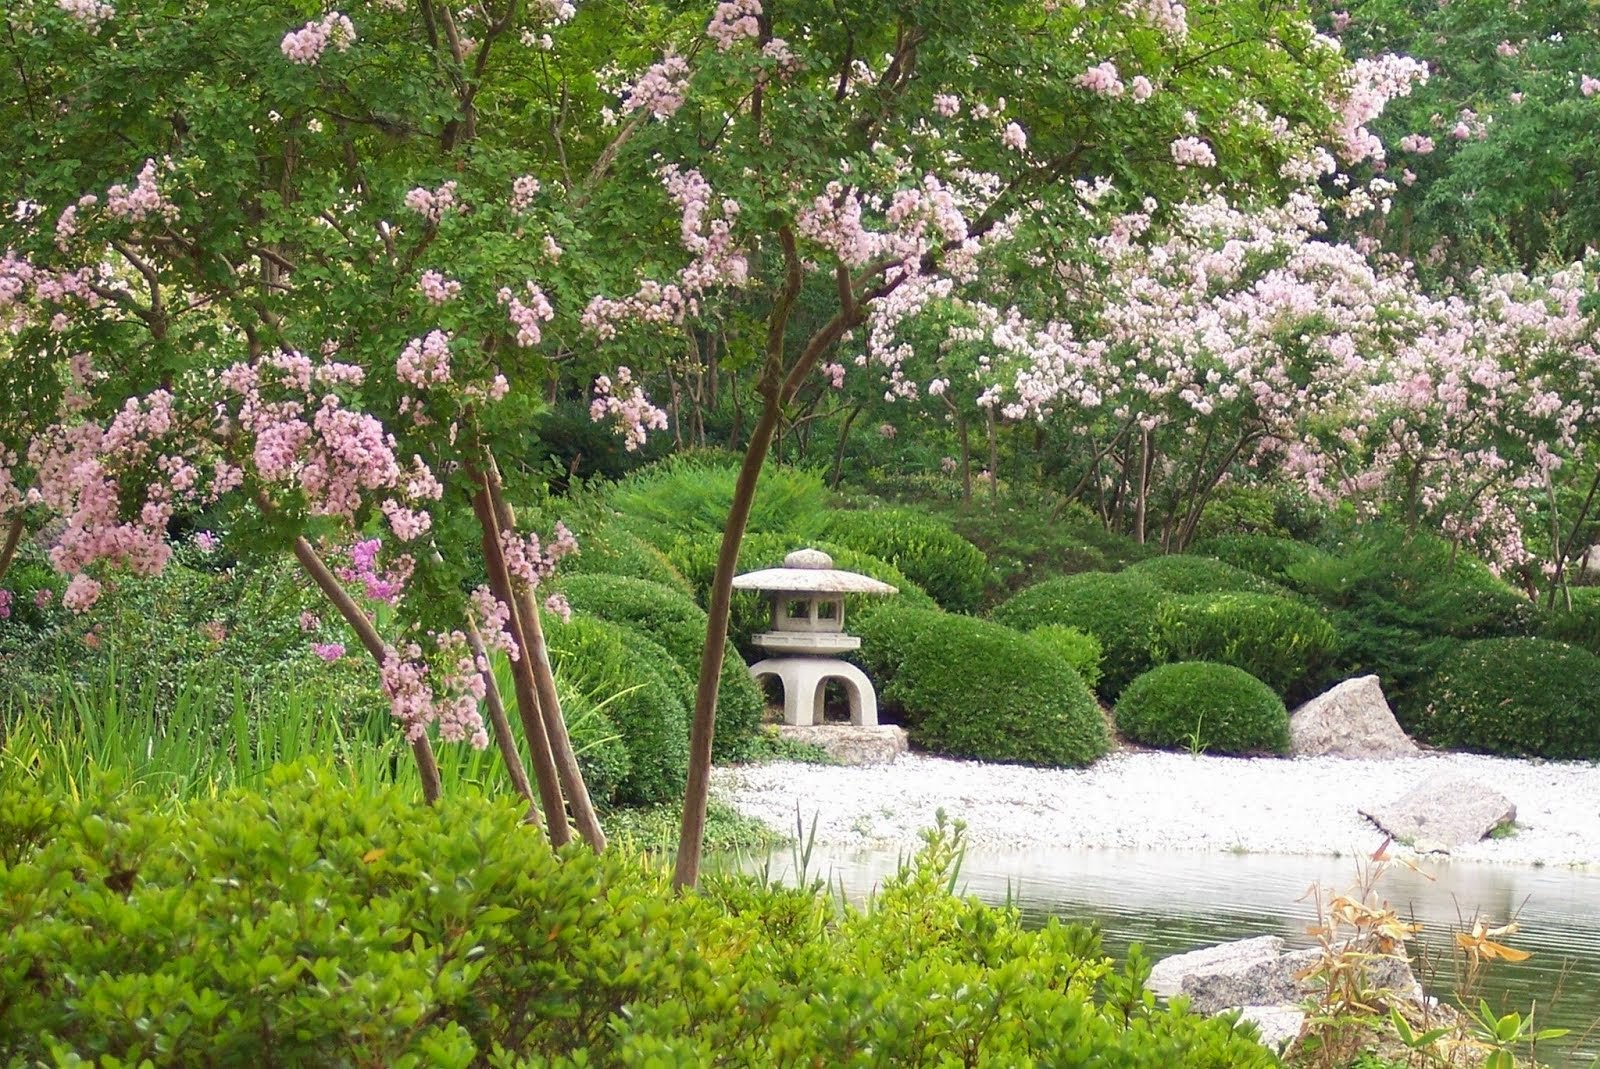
{"type": "Point", "coordinates": [1173, 902]}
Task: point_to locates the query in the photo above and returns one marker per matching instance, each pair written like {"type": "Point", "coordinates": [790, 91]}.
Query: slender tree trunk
{"type": "Point", "coordinates": [1142, 487]}
{"type": "Point", "coordinates": [994, 461]}
{"type": "Point", "coordinates": [503, 738]}
{"type": "Point", "coordinates": [361, 624]}
{"type": "Point", "coordinates": [838, 453]}
{"type": "Point", "coordinates": [1565, 550]}
{"type": "Point", "coordinates": [537, 653]}
{"type": "Point", "coordinates": [966, 460]}
{"type": "Point", "coordinates": [8, 551]}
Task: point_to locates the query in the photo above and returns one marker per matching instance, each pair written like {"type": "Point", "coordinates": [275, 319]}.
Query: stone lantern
{"type": "Point", "coordinates": [807, 635]}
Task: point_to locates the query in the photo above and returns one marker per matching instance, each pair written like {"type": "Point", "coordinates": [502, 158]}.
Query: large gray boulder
{"type": "Point", "coordinates": [1247, 972]}
{"type": "Point", "coordinates": [1443, 812]}
{"type": "Point", "coordinates": [1278, 1026]}
{"type": "Point", "coordinates": [1351, 720]}
{"type": "Point", "coordinates": [849, 744]}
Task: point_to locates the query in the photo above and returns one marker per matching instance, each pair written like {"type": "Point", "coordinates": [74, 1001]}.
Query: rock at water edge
{"type": "Point", "coordinates": [1444, 810]}
{"type": "Point", "coordinates": [1351, 720]}
{"type": "Point", "coordinates": [1278, 1026]}
{"type": "Point", "coordinates": [1247, 972]}
{"type": "Point", "coordinates": [849, 744]}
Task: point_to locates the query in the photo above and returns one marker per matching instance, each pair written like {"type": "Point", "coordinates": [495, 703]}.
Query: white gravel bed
{"type": "Point", "coordinates": [1166, 801]}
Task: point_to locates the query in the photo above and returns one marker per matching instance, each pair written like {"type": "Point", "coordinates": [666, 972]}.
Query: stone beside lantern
{"type": "Point", "coordinates": [807, 635]}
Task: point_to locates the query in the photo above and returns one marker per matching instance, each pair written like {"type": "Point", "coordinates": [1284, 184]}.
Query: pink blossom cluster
{"type": "Point", "coordinates": [558, 605]}
{"type": "Point", "coordinates": [425, 361]}
{"type": "Point", "coordinates": [421, 694]}
{"type": "Point", "coordinates": [660, 90]}
{"type": "Point", "coordinates": [1141, 89]}
{"type": "Point", "coordinates": [834, 373]}
{"type": "Point", "coordinates": [1192, 152]}
{"type": "Point", "coordinates": [1418, 144]}
{"type": "Point", "coordinates": [493, 619]}
{"type": "Point", "coordinates": [1505, 49]}
{"type": "Point", "coordinates": [6, 599]}
{"type": "Point", "coordinates": [734, 20]}
{"type": "Point", "coordinates": [531, 562]}
{"type": "Point", "coordinates": [1014, 137]}
{"type": "Point", "coordinates": [527, 315]}
{"type": "Point", "coordinates": [306, 45]}
{"type": "Point", "coordinates": [625, 405]}
{"type": "Point", "coordinates": [378, 582]}
{"type": "Point", "coordinates": [437, 289]}
{"type": "Point", "coordinates": [143, 202]}
{"type": "Point", "coordinates": [1589, 85]}
{"type": "Point", "coordinates": [1168, 16]}
{"type": "Point", "coordinates": [1369, 86]}
{"type": "Point", "coordinates": [91, 13]}
{"type": "Point", "coordinates": [328, 651]}
{"type": "Point", "coordinates": [946, 106]}
{"type": "Point", "coordinates": [523, 190]}
{"type": "Point", "coordinates": [1102, 79]}
{"type": "Point", "coordinates": [432, 204]}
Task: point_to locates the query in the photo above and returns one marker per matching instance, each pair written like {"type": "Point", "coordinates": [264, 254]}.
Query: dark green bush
{"type": "Point", "coordinates": [887, 636]}
{"type": "Point", "coordinates": [318, 923]}
{"type": "Point", "coordinates": [1029, 540]}
{"type": "Point", "coordinates": [1512, 696]}
{"type": "Point", "coordinates": [972, 688]}
{"type": "Point", "coordinates": [950, 569]}
{"type": "Point", "coordinates": [606, 548]}
{"type": "Point", "coordinates": [1267, 556]}
{"type": "Point", "coordinates": [1578, 625]}
{"type": "Point", "coordinates": [1199, 705]}
{"type": "Point", "coordinates": [671, 618]}
{"type": "Point", "coordinates": [1081, 649]}
{"type": "Point", "coordinates": [1282, 642]}
{"type": "Point", "coordinates": [1118, 609]}
{"type": "Point", "coordinates": [1236, 509]}
{"type": "Point", "coordinates": [690, 494]}
{"type": "Point", "coordinates": [1184, 574]}
{"type": "Point", "coordinates": [639, 687]}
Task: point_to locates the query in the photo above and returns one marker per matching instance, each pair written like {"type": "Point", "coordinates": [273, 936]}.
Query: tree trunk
{"type": "Point", "coordinates": [421, 749]}
{"type": "Point", "coordinates": [8, 551]}
{"type": "Point", "coordinates": [966, 460]}
{"type": "Point", "coordinates": [537, 653]}
{"type": "Point", "coordinates": [504, 739]}
{"type": "Point", "coordinates": [1142, 487]}
{"type": "Point", "coordinates": [838, 453]}
{"type": "Point", "coordinates": [994, 461]}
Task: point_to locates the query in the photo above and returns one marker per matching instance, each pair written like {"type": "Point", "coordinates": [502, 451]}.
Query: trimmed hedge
{"type": "Point", "coordinates": [1268, 556]}
{"type": "Point", "coordinates": [608, 549]}
{"type": "Point", "coordinates": [671, 618]}
{"type": "Point", "coordinates": [1205, 706]}
{"type": "Point", "coordinates": [1118, 609]}
{"type": "Point", "coordinates": [1184, 574]}
{"type": "Point", "coordinates": [690, 494]}
{"type": "Point", "coordinates": [972, 688]}
{"type": "Point", "coordinates": [952, 571]}
{"type": "Point", "coordinates": [1578, 625]}
{"type": "Point", "coordinates": [320, 923]}
{"type": "Point", "coordinates": [639, 687]}
{"type": "Point", "coordinates": [1081, 649]}
{"type": "Point", "coordinates": [1282, 642]}
{"type": "Point", "coordinates": [1512, 696]}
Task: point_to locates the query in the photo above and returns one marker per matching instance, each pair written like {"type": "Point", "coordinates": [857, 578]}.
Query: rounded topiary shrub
{"type": "Point", "coordinates": [608, 549]}
{"type": "Point", "coordinates": [1081, 649]}
{"type": "Point", "coordinates": [952, 571]}
{"type": "Point", "coordinates": [1268, 556]}
{"type": "Point", "coordinates": [1203, 706]}
{"type": "Point", "coordinates": [1117, 608]}
{"type": "Point", "coordinates": [973, 688]}
{"type": "Point", "coordinates": [1282, 642]}
{"type": "Point", "coordinates": [671, 618]}
{"type": "Point", "coordinates": [886, 637]}
{"type": "Point", "coordinates": [1579, 623]}
{"type": "Point", "coordinates": [1513, 696]}
{"type": "Point", "coordinates": [1184, 574]}
{"type": "Point", "coordinates": [639, 687]}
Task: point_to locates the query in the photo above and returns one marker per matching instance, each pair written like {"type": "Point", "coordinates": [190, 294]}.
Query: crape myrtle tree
{"type": "Point", "coordinates": [297, 265]}
{"type": "Point", "coordinates": [822, 164]}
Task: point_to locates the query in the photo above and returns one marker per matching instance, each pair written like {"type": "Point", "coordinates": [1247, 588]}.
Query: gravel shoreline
{"type": "Point", "coordinates": [1166, 801]}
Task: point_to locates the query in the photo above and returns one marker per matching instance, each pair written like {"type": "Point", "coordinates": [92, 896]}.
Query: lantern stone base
{"type": "Point", "coordinates": [851, 745]}
{"type": "Point", "coordinates": [803, 679]}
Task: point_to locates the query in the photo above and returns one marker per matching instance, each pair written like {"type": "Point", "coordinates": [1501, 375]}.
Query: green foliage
{"type": "Point", "coordinates": [1119, 610]}
{"type": "Point", "coordinates": [1238, 509]}
{"type": "Point", "coordinates": [972, 688]}
{"type": "Point", "coordinates": [1268, 556]}
{"type": "Point", "coordinates": [1282, 642]}
{"type": "Point", "coordinates": [690, 495]}
{"type": "Point", "coordinates": [1199, 705]}
{"type": "Point", "coordinates": [642, 689]}
{"type": "Point", "coordinates": [1512, 696]}
{"type": "Point", "coordinates": [950, 569]}
{"type": "Point", "coordinates": [1080, 649]}
{"type": "Point", "coordinates": [606, 548]}
{"type": "Point", "coordinates": [1027, 539]}
{"type": "Point", "coordinates": [1578, 625]}
{"type": "Point", "coordinates": [1184, 574]}
{"type": "Point", "coordinates": [670, 617]}
{"type": "Point", "coordinates": [316, 923]}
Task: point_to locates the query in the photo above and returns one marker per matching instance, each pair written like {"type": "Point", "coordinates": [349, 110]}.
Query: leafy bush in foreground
{"type": "Point", "coordinates": [1118, 609]}
{"type": "Point", "coordinates": [1080, 649]}
{"type": "Point", "coordinates": [1282, 642]}
{"type": "Point", "coordinates": [950, 569]}
{"type": "Point", "coordinates": [1513, 696]}
{"type": "Point", "coordinates": [1213, 707]}
{"type": "Point", "coordinates": [320, 924]}
{"type": "Point", "coordinates": [972, 688]}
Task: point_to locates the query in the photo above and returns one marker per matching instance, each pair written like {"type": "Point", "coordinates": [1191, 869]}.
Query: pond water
{"type": "Point", "coordinates": [1173, 902]}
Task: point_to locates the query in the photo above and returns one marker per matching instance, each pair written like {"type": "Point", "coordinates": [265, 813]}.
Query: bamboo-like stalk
{"type": "Point", "coordinates": [504, 739]}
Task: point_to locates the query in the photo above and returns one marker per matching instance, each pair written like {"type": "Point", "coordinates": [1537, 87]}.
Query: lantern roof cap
{"type": "Point", "coordinates": [810, 571]}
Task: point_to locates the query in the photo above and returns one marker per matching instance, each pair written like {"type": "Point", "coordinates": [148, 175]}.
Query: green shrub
{"type": "Point", "coordinates": [1282, 642]}
{"type": "Point", "coordinates": [1203, 706]}
{"type": "Point", "coordinates": [640, 689]}
{"type": "Point", "coordinates": [887, 636]}
{"type": "Point", "coordinates": [671, 617]}
{"type": "Point", "coordinates": [1267, 556]}
{"type": "Point", "coordinates": [1080, 649]}
{"type": "Point", "coordinates": [608, 549]}
{"type": "Point", "coordinates": [318, 923]}
{"type": "Point", "coordinates": [689, 495]}
{"type": "Point", "coordinates": [1030, 540]}
{"type": "Point", "coordinates": [1512, 696]}
{"type": "Point", "coordinates": [972, 688]}
{"type": "Point", "coordinates": [950, 569]}
{"type": "Point", "coordinates": [1118, 609]}
{"type": "Point", "coordinates": [1578, 625]}
{"type": "Point", "coordinates": [1238, 509]}
{"type": "Point", "coordinates": [1184, 574]}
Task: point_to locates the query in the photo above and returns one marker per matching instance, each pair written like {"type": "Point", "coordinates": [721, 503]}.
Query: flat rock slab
{"type": "Point", "coordinates": [1443, 812]}
{"type": "Point", "coordinates": [1246, 972]}
{"type": "Point", "coordinates": [1278, 1026]}
{"type": "Point", "coordinates": [1351, 720]}
{"type": "Point", "coordinates": [851, 745]}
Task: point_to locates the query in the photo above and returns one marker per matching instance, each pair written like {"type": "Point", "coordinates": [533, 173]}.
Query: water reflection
{"type": "Point", "coordinates": [1172, 902]}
